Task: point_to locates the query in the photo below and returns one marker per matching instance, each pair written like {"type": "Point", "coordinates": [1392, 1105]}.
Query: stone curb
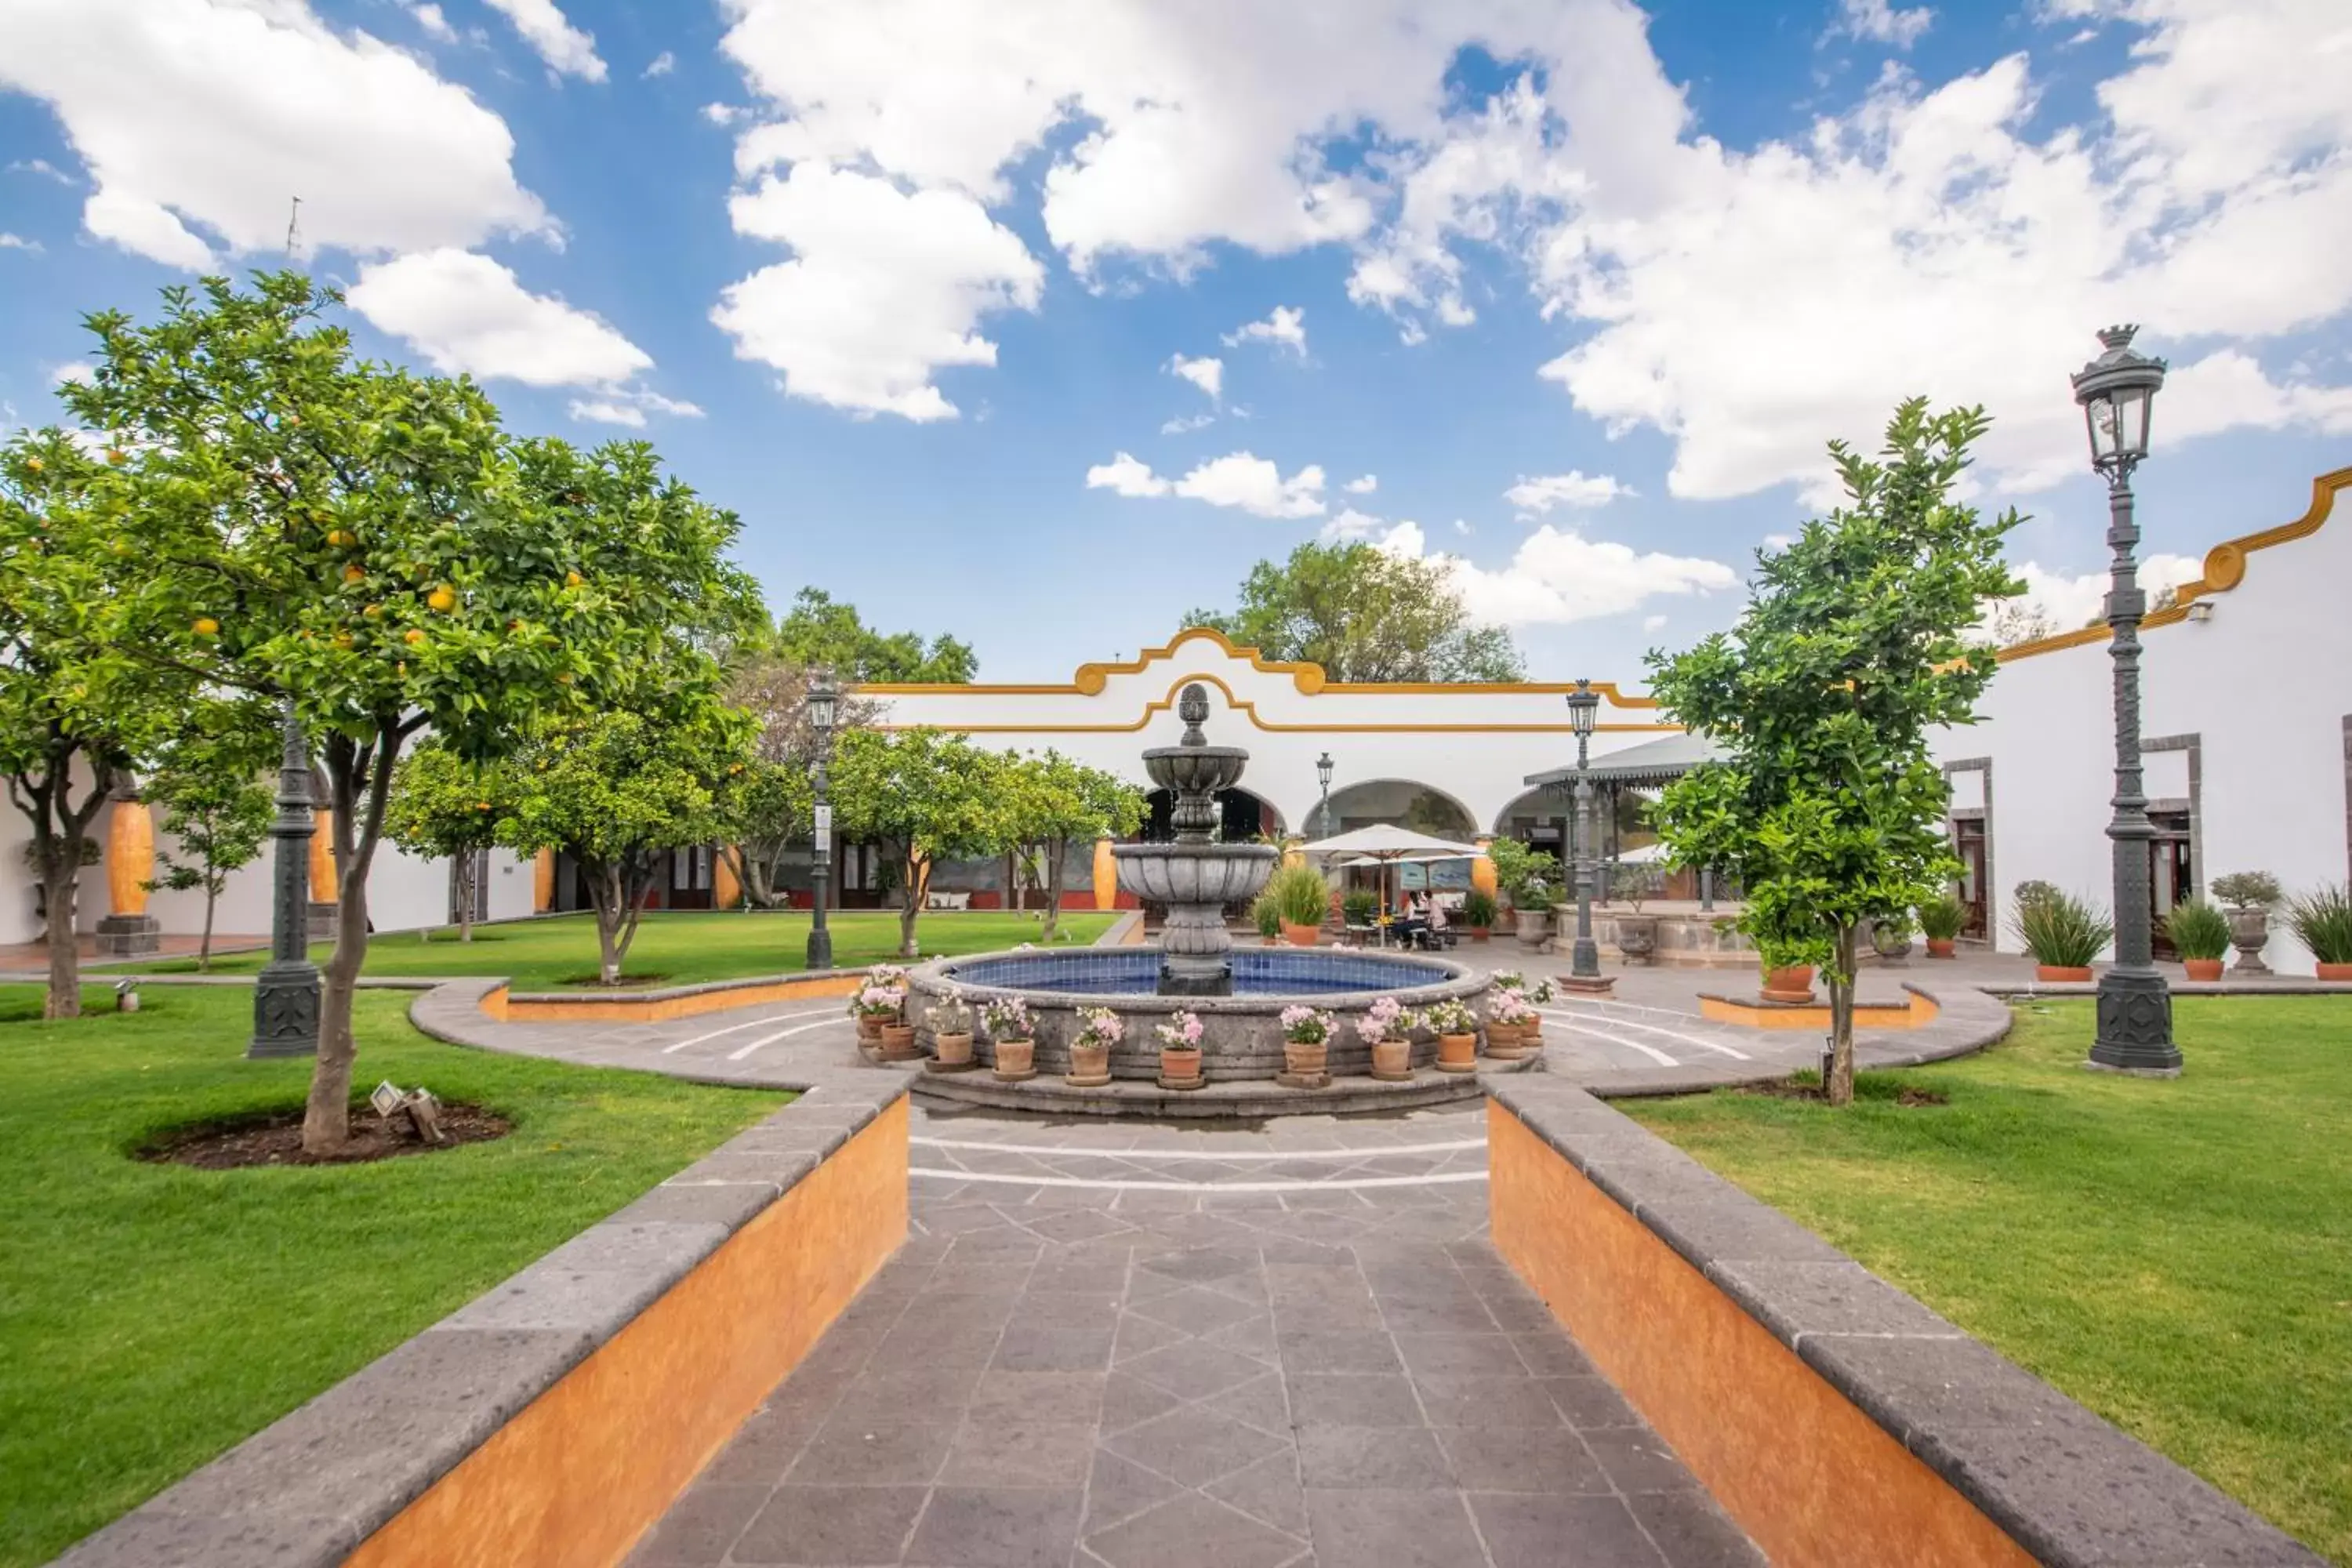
{"type": "Point", "coordinates": [1241, 1100]}
{"type": "Point", "coordinates": [2064, 1484]}
{"type": "Point", "coordinates": [672, 992]}
{"type": "Point", "coordinates": [305, 1491]}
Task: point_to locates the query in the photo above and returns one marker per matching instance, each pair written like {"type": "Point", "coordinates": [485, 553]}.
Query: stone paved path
{"type": "Point", "coordinates": [1131, 1345]}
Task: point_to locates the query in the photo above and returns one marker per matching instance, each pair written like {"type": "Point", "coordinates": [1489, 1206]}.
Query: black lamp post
{"type": "Point", "coordinates": [823, 700]}
{"type": "Point", "coordinates": [1323, 776]}
{"type": "Point", "coordinates": [286, 995]}
{"type": "Point", "coordinates": [2134, 1032]}
{"type": "Point", "coordinates": [1584, 958]}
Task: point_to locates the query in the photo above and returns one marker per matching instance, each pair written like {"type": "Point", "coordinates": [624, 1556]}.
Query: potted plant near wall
{"type": "Point", "coordinates": [2250, 896]}
{"type": "Point", "coordinates": [2201, 934]}
{"type": "Point", "coordinates": [1302, 896]}
{"type": "Point", "coordinates": [1527, 876]}
{"type": "Point", "coordinates": [1013, 1038]}
{"type": "Point", "coordinates": [2061, 931]}
{"type": "Point", "coordinates": [1359, 907]}
{"type": "Point", "coordinates": [1507, 1016]}
{"type": "Point", "coordinates": [1941, 920]}
{"type": "Point", "coordinates": [1387, 1029]}
{"type": "Point", "coordinates": [2322, 922]}
{"type": "Point", "coordinates": [1180, 1050]}
{"type": "Point", "coordinates": [1456, 1028]}
{"type": "Point", "coordinates": [1890, 937]}
{"type": "Point", "coordinates": [1637, 933]}
{"type": "Point", "coordinates": [1478, 913]}
{"type": "Point", "coordinates": [950, 1034]}
{"type": "Point", "coordinates": [1100, 1029]}
{"type": "Point", "coordinates": [1306, 1046]}
{"type": "Point", "coordinates": [1787, 976]}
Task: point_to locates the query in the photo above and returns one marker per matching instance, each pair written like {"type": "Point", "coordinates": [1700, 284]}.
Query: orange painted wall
{"type": "Point", "coordinates": [1814, 1481]}
{"type": "Point", "coordinates": [585, 1468]}
{"type": "Point", "coordinates": [661, 1009]}
{"type": "Point", "coordinates": [1910, 1014]}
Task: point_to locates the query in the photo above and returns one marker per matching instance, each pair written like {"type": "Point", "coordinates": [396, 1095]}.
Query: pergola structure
{"type": "Point", "coordinates": [1652, 764]}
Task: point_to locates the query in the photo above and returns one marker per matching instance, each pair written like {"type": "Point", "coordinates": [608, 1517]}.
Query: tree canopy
{"type": "Point", "coordinates": [925, 797]}
{"type": "Point", "coordinates": [446, 806]}
{"type": "Point", "coordinates": [1051, 801]}
{"type": "Point", "coordinates": [1365, 614]}
{"type": "Point", "coordinates": [1859, 639]}
{"type": "Point", "coordinates": [818, 633]}
{"type": "Point", "coordinates": [209, 783]}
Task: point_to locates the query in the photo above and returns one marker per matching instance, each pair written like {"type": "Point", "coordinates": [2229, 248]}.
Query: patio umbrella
{"type": "Point", "coordinates": [1385, 844]}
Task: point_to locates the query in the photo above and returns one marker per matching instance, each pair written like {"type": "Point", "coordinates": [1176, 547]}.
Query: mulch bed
{"type": "Point", "coordinates": [1787, 1088]}
{"type": "Point", "coordinates": [594, 980]}
{"type": "Point", "coordinates": [277, 1140]}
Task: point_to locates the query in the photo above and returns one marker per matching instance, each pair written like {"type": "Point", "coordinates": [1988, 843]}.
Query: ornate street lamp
{"type": "Point", "coordinates": [286, 995]}
{"type": "Point", "coordinates": [2135, 1029]}
{"type": "Point", "coordinates": [824, 706]}
{"type": "Point", "coordinates": [1584, 958]}
{"type": "Point", "coordinates": [1323, 776]}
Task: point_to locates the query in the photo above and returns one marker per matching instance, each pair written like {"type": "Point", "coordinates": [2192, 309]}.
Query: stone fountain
{"type": "Point", "coordinates": [1195, 877]}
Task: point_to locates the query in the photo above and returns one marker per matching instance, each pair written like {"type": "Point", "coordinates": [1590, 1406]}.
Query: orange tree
{"type": "Point", "coordinates": [369, 545]}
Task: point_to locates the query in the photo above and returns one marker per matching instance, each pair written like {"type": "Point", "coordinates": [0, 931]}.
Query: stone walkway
{"type": "Point", "coordinates": [1126, 1345]}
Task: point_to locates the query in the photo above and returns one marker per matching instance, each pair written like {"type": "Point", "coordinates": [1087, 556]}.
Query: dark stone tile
{"type": "Point", "coordinates": [1912, 1386]}
{"type": "Point", "coordinates": [1193, 1446]}
{"type": "Point", "coordinates": [1135, 1336]}
{"type": "Point", "coordinates": [1474, 1400]}
{"type": "Point", "coordinates": [1061, 1272]}
{"type": "Point", "coordinates": [843, 1525]}
{"type": "Point", "coordinates": [1190, 1529]}
{"type": "Point", "coordinates": [1260, 1402]}
{"type": "Point", "coordinates": [1038, 1396]}
{"type": "Point", "coordinates": [880, 1452]}
{"type": "Point", "coordinates": [1693, 1532]}
{"type": "Point", "coordinates": [1637, 1462]}
{"type": "Point", "coordinates": [1590, 1404]}
{"type": "Point", "coordinates": [1387, 1458]}
{"type": "Point", "coordinates": [700, 1526]}
{"type": "Point", "coordinates": [1252, 1336]}
{"type": "Point", "coordinates": [1816, 1298]}
{"type": "Point", "coordinates": [1039, 1347]}
{"type": "Point", "coordinates": [921, 1338]}
{"type": "Point", "coordinates": [1552, 1354]}
{"type": "Point", "coordinates": [928, 1390]}
{"type": "Point", "coordinates": [1192, 1370]}
{"type": "Point", "coordinates": [1129, 1402]}
{"type": "Point", "coordinates": [1521, 1460]}
{"type": "Point", "coordinates": [1487, 1354]}
{"type": "Point", "coordinates": [1338, 1350]}
{"type": "Point", "coordinates": [971, 1527]}
{"type": "Point", "coordinates": [1196, 1311]}
{"type": "Point", "coordinates": [1392, 1530]}
{"type": "Point", "coordinates": [1198, 1264]}
{"type": "Point", "coordinates": [1531, 1531]}
{"type": "Point", "coordinates": [1354, 1399]}
{"type": "Point", "coordinates": [1003, 1453]}
{"type": "Point", "coordinates": [764, 1447]}
{"type": "Point", "coordinates": [1267, 1490]}
{"type": "Point", "coordinates": [1119, 1489]}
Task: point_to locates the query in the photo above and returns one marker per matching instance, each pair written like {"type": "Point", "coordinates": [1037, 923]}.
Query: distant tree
{"type": "Point", "coordinates": [1431, 813]}
{"type": "Point", "coordinates": [209, 785]}
{"type": "Point", "coordinates": [817, 633]}
{"type": "Point", "coordinates": [2009, 622]}
{"type": "Point", "coordinates": [924, 796]}
{"type": "Point", "coordinates": [1050, 803]}
{"type": "Point", "coordinates": [1859, 640]}
{"type": "Point", "coordinates": [769, 805]}
{"type": "Point", "coordinates": [1365, 614]}
{"type": "Point", "coordinates": [446, 806]}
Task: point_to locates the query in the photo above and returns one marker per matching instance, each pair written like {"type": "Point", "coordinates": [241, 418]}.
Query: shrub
{"type": "Point", "coordinates": [2061, 930]}
{"type": "Point", "coordinates": [2247, 889]}
{"type": "Point", "coordinates": [1300, 893]}
{"type": "Point", "coordinates": [2198, 930]}
{"type": "Point", "coordinates": [2322, 921]}
{"type": "Point", "coordinates": [1008, 1019]}
{"type": "Point", "coordinates": [1633, 880]}
{"type": "Point", "coordinates": [1103, 1026]}
{"type": "Point", "coordinates": [1452, 1018]}
{"type": "Point", "coordinates": [1266, 912]}
{"type": "Point", "coordinates": [1361, 907]}
{"type": "Point", "coordinates": [1303, 1026]}
{"type": "Point", "coordinates": [1478, 909]}
{"type": "Point", "coordinates": [1525, 875]}
{"type": "Point", "coordinates": [1942, 917]}
{"type": "Point", "coordinates": [2034, 893]}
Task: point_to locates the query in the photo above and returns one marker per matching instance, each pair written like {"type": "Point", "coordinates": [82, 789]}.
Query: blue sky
{"type": "Point", "coordinates": [896, 283]}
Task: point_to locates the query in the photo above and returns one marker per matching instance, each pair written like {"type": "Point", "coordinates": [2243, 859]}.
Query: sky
{"type": "Point", "coordinates": [1038, 322]}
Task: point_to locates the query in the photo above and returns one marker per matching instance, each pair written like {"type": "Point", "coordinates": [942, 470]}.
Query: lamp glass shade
{"type": "Point", "coordinates": [821, 700]}
{"type": "Point", "coordinates": [2117, 421]}
{"type": "Point", "coordinates": [1583, 708]}
{"type": "Point", "coordinates": [1323, 770]}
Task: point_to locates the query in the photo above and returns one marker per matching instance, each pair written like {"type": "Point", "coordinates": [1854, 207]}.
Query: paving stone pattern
{"type": "Point", "coordinates": [1196, 1371]}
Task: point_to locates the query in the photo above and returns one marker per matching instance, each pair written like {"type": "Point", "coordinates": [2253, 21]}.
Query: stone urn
{"type": "Point", "coordinates": [1534, 927]}
{"type": "Point", "coordinates": [2249, 931]}
{"type": "Point", "coordinates": [1891, 943]}
{"type": "Point", "coordinates": [1637, 939]}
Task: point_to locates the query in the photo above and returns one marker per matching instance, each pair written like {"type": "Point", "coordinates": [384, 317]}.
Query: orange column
{"type": "Point", "coordinates": [542, 881]}
{"type": "Point", "coordinates": [323, 859]}
{"type": "Point", "coordinates": [1106, 876]}
{"type": "Point", "coordinates": [726, 890]}
{"type": "Point", "coordinates": [1482, 869]}
{"type": "Point", "coordinates": [129, 856]}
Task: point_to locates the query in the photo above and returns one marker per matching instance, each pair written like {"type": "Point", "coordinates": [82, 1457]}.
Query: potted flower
{"type": "Point", "coordinates": [1890, 937]}
{"type": "Point", "coordinates": [1525, 875]}
{"type": "Point", "coordinates": [1305, 1046]}
{"type": "Point", "coordinates": [1456, 1028]}
{"type": "Point", "coordinates": [2201, 934]}
{"type": "Point", "coordinates": [1090, 1053]}
{"type": "Point", "coordinates": [1387, 1029]}
{"type": "Point", "coordinates": [881, 1019]}
{"type": "Point", "coordinates": [1786, 977]}
{"type": "Point", "coordinates": [2322, 922]}
{"type": "Point", "coordinates": [1013, 1038]}
{"type": "Point", "coordinates": [2249, 895]}
{"type": "Point", "coordinates": [1180, 1050]}
{"type": "Point", "coordinates": [1303, 898]}
{"type": "Point", "coordinates": [1941, 920]}
{"type": "Point", "coordinates": [1508, 1014]}
{"type": "Point", "coordinates": [2062, 933]}
{"type": "Point", "coordinates": [1265, 913]}
{"type": "Point", "coordinates": [1478, 913]}
{"type": "Point", "coordinates": [950, 1034]}
{"type": "Point", "coordinates": [1531, 1027]}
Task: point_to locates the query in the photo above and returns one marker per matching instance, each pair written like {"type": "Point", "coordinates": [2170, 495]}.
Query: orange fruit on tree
{"type": "Point", "coordinates": [572, 579]}
{"type": "Point", "coordinates": [206, 627]}
{"type": "Point", "coordinates": [413, 636]}
{"type": "Point", "coordinates": [444, 599]}
{"type": "Point", "coordinates": [35, 463]}
{"type": "Point", "coordinates": [337, 536]}
{"type": "Point", "coordinates": [353, 575]}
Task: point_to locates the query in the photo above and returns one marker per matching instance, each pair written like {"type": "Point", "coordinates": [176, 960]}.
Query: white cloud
{"type": "Point", "coordinates": [197, 119]}
{"type": "Point", "coordinates": [71, 370]}
{"type": "Point", "coordinates": [1363, 485]}
{"type": "Point", "coordinates": [468, 313]}
{"type": "Point", "coordinates": [42, 167]}
{"type": "Point", "coordinates": [1348, 525]}
{"type": "Point", "coordinates": [1207, 374]}
{"type": "Point", "coordinates": [566, 49]}
{"type": "Point", "coordinates": [1285, 327]}
{"type": "Point", "coordinates": [1187, 424]}
{"type": "Point", "coordinates": [724, 113]}
{"type": "Point", "coordinates": [1462, 526]}
{"type": "Point", "coordinates": [885, 286]}
{"type": "Point", "coordinates": [17, 242]}
{"type": "Point", "coordinates": [661, 64]}
{"type": "Point", "coordinates": [1881, 22]}
{"type": "Point", "coordinates": [2077, 601]}
{"type": "Point", "coordinates": [1653, 623]}
{"type": "Point", "coordinates": [628, 408]}
{"type": "Point", "coordinates": [1558, 575]}
{"type": "Point", "coordinates": [1574, 489]}
{"type": "Point", "coordinates": [1238, 479]}
{"type": "Point", "coordinates": [436, 24]}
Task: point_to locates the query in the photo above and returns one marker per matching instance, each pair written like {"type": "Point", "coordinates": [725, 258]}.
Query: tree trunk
{"type": "Point", "coordinates": [61, 878]}
{"type": "Point", "coordinates": [465, 895]}
{"type": "Point", "coordinates": [609, 889]}
{"type": "Point", "coordinates": [914, 885]}
{"type": "Point", "coordinates": [204, 943]}
{"type": "Point", "coordinates": [1056, 851]}
{"type": "Point", "coordinates": [1838, 1088]}
{"type": "Point", "coordinates": [358, 783]}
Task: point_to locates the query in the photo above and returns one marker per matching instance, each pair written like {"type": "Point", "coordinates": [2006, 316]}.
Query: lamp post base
{"type": "Point", "coordinates": [285, 1012]}
{"type": "Point", "coordinates": [820, 950]}
{"type": "Point", "coordinates": [1590, 984]}
{"type": "Point", "coordinates": [1584, 976]}
{"type": "Point", "coordinates": [2136, 1025]}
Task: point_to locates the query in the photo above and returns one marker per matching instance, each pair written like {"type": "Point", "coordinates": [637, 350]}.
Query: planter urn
{"type": "Point", "coordinates": [1016, 1060]}
{"type": "Point", "coordinates": [2202, 969]}
{"type": "Point", "coordinates": [1637, 939]}
{"type": "Point", "coordinates": [1480, 934]}
{"type": "Point", "coordinates": [2250, 929]}
{"type": "Point", "coordinates": [1179, 1068]}
{"type": "Point", "coordinates": [1793, 984]}
{"type": "Point", "coordinates": [1893, 949]}
{"type": "Point", "coordinates": [1089, 1067]}
{"type": "Point", "coordinates": [1457, 1053]}
{"type": "Point", "coordinates": [898, 1042]}
{"type": "Point", "coordinates": [869, 1030]}
{"type": "Point", "coordinates": [1534, 928]}
{"type": "Point", "coordinates": [1305, 1065]}
{"type": "Point", "coordinates": [1393, 1061]}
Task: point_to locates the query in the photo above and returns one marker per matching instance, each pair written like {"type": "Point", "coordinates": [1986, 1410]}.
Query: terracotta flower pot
{"type": "Point", "coordinates": [1393, 1061]}
{"type": "Point", "coordinates": [1305, 1066]}
{"type": "Point", "coordinates": [1943, 947]}
{"type": "Point", "coordinates": [1505, 1042]}
{"type": "Point", "coordinates": [1457, 1053]}
{"type": "Point", "coordinates": [898, 1042]}
{"type": "Point", "coordinates": [2202, 968]}
{"type": "Point", "coordinates": [1017, 1059]}
{"type": "Point", "coordinates": [1089, 1067]}
{"type": "Point", "coordinates": [2062, 971]}
{"type": "Point", "coordinates": [1179, 1066]}
{"type": "Point", "coordinates": [1794, 984]}
{"type": "Point", "coordinates": [1480, 934]}
{"type": "Point", "coordinates": [1300, 935]}
{"type": "Point", "coordinates": [2336, 970]}
{"type": "Point", "coordinates": [953, 1050]}
{"type": "Point", "coordinates": [869, 1029]}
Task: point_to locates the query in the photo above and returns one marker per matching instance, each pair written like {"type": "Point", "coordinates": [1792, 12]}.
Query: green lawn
{"type": "Point", "coordinates": [2177, 1254]}
{"type": "Point", "coordinates": [683, 949]}
{"type": "Point", "coordinates": [152, 1315]}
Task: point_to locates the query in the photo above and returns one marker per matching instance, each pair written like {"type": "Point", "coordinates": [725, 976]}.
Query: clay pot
{"type": "Point", "coordinates": [1457, 1053]}
{"type": "Point", "coordinates": [1531, 1032]}
{"type": "Point", "coordinates": [1017, 1059]}
{"type": "Point", "coordinates": [2202, 968]}
{"type": "Point", "coordinates": [1943, 947]}
{"type": "Point", "coordinates": [1299, 936]}
{"type": "Point", "coordinates": [898, 1042]}
{"type": "Point", "coordinates": [1305, 1061]}
{"type": "Point", "coordinates": [869, 1029]}
{"type": "Point", "coordinates": [953, 1050]}
{"type": "Point", "coordinates": [1089, 1067]}
{"type": "Point", "coordinates": [2336, 970]}
{"type": "Point", "coordinates": [1505, 1042]}
{"type": "Point", "coordinates": [1794, 984]}
{"type": "Point", "coordinates": [1179, 1068]}
{"type": "Point", "coordinates": [2060, 972]}
{"type": "Point", "coordinates": [1480, 934]}
{"type": "Point", "coordinates": [1393, 1061]}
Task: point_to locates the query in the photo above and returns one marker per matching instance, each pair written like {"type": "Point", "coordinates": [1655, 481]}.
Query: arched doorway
{"type": "Point", "coordinates": [1242, 817]}
{"type": "Point", "coordinates": [1401, 803]}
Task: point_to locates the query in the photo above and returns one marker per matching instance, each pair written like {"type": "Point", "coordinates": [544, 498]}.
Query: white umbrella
{"type": "Point", "coordinates": [1382, 844]}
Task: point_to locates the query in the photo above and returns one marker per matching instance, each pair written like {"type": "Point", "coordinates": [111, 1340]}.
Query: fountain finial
{"type": "Point", "coordinates": [1192, 707]}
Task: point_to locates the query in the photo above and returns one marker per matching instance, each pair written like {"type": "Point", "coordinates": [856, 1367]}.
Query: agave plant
{"type": "Point", "coordinates": [2322, 921]}
{"type": "Point", "coordinates": [2060, 930]}
{"type": "Point", "coordinates": [2198, 930]}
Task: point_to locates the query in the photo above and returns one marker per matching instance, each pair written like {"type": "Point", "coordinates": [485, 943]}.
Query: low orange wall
{"type": "Point", "coordinates": [1811, 1478]}
{"type": "Point", "coordinates": [1909, 1014]}
{"type": "Point", "coordinates": [508, 1008]}
{"type": "Point", "coordinates": [585, 1468]}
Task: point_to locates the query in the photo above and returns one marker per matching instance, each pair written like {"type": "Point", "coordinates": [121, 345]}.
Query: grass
{"type": "Point", "coordinates": [2176, 1254]}
{"type": "Point", "coordinates": [559, 952]}
{"type": "Point", "coordinates": [153, 1315]}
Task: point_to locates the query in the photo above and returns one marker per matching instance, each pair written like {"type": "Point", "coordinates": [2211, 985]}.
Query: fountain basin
{"type": "Point", "coordinates": [1241, 1033]}
{"type": "Point", "coordinates": [1212, 874]}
